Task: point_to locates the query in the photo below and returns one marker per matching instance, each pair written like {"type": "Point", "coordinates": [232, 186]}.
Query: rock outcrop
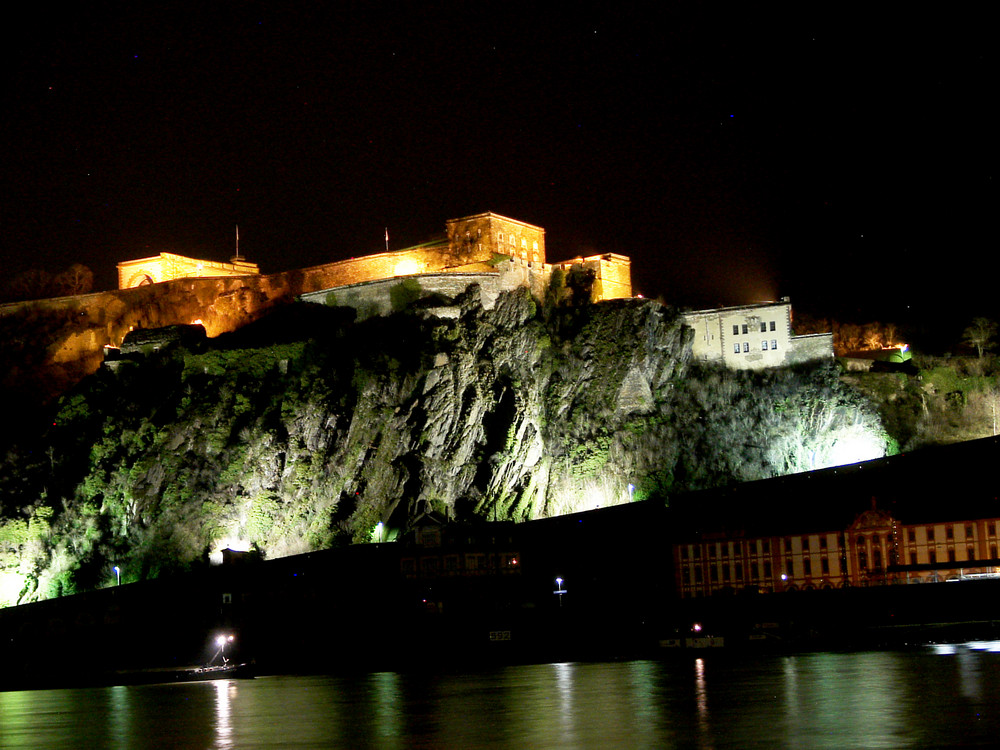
{"type": "Point", "coordinates": [306, 430]}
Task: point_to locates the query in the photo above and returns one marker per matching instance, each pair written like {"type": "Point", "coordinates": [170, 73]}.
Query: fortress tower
{"type": "Point", "coordinates": [477, 239]}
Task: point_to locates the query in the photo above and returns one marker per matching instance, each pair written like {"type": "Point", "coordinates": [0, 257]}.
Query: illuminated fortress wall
{"type": "Point", "coordinates": [170, 289]}
{"type": "Point", "coordinates": [612, 274]}
{"type": "Point", "coordinates": [170, 266]}
{"type": "Point", "coordinates": [485, 243]}
{"type": "Point", "coordinates": [474, 245]}
{"type": "Point", "coordinates": [371, 298]}
{"type": "Point", "coordinates": [367, 268]}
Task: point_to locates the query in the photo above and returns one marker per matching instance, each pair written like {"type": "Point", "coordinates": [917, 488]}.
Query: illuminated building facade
{"type": "Point", "coordinates": [754, 337]}
{"type": "Point", "coordinates": [170, 266]}
{"type": "Point", "coordinates": [495, 252]}
{"type": "Point", "coordinates": [876, 549]}
{"type": "Point", "coordinates": [476, 244]}
{"type": "Point", "coordinates": [480, 237]}
{"type": "Point", "coordinates": [435, 549]}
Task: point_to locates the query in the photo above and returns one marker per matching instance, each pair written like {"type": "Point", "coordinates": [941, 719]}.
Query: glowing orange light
{"type": "Point", "coordinates": [406, 268]}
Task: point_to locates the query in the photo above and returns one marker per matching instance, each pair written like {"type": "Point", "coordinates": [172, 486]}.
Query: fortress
{"type": "Point", "coordinates": [501, 252]}
{"type": "Point", "coordinates": [69, 335]}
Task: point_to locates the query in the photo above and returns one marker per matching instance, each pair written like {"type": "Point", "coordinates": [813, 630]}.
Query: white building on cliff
{"type": "Point", "coordinates": [754, 337]}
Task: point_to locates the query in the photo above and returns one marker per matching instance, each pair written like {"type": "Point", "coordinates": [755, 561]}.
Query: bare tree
{"type": "Point", "coordinates": [77, 279]}
{"type": "Point", "coordinates": [982, 414]}
{"type": "Point", "coordinates": [980, 335]}
{"type": "Point", "coordinates": [850, 337]}
{"type": "Point", "coordinates": [872, 336]}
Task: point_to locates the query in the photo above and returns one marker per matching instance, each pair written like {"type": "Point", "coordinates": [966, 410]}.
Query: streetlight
{"type": "Point", "coordinates": [118, 574]}
{"type": "Point", "coordinates": [559, 590]}
{"type": "Point", "coordinates": [221, 641]}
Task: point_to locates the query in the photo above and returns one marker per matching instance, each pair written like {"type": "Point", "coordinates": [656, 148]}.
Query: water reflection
{"type": "Point", "coordinates": [225, 691]}
{"type": "Point", "coordinates": [871, 700]}
{"type": "Point", "coordinates": [119, 717]}
{"type": "Point", "coordinates": [564, 695]}
{"type": "Point", "coordinates": [386, 693]}
{"type": "Point", "coordinates": [701, 702]}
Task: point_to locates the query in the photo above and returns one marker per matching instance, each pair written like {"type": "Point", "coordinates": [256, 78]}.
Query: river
{"type": "Point", "coordinates": [926, 697]}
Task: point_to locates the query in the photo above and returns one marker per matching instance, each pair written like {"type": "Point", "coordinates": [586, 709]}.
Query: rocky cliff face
{"type": "Point", "coordinates": [305, 430]}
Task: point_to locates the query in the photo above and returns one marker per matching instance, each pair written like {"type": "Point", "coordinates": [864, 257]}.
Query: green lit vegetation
{"type": "Point", "coordinates": [404, 294]}
{"type": "Point", "coordinates": [941, 400]}
{"type": "Point", "coordinates": [298, 435]}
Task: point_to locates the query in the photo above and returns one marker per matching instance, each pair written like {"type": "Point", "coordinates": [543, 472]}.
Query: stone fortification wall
{"type": "Point", "coordinates": [170, 266]}
{"type": "Point", "coordinates": [63, 339]}
{"type": "Point", "coordinates": [372, 298]}
{"type": "Point", "coordinates": [382, 297]}
{"type": "Point", "coordinates": [50, 344]}
{"type": "Point", "coordinates": [613, 276]}
{"type": "Point", "coordinates": [66, 337]}
{"type": "Point", "coordinates": [378, 267]}
{"type": "Point", "coordinates": [810, 348]}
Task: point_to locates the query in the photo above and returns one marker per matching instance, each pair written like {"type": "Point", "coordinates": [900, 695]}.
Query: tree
{"type": "Point", "coordinates": [557, 287]}
{"type": "Point", "coordinates": [851, 337]}
{"type": "Point", "coordinates": [872, 336]}
{"type": "Point", "coordinates": [980, 335]}
{"type": "Point", "coordinates": [890, 333]}
{"type": "Point", "coordinates": [77, 279]}
{"type": "Point", "coordinates": [580, 282]}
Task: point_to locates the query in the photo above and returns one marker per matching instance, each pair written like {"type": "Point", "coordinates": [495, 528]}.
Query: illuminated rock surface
{"type": "Point", "coordinates": [304, 431]}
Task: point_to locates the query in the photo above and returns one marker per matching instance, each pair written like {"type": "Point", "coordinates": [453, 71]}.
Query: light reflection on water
{"type": "Point", "coordinates": [862, 700]}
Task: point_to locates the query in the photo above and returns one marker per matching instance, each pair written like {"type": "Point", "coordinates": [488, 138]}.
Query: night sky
{"type": "Point", "coordinates": [836, 157]}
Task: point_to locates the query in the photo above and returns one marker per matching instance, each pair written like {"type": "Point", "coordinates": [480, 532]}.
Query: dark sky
{"type": "Point", "coordinates": [840, 158]}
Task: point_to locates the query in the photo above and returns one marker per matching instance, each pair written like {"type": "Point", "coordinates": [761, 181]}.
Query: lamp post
{"type": "Point", "coordinates": [221, 641]}
{"type": "Point", "coordinates": [559, 590]}
{"type": "Point", "coordinates": [118, 574]}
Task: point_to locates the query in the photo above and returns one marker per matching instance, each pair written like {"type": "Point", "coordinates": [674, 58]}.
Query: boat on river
{"type": "Point", "coordinates": [230, 670]}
